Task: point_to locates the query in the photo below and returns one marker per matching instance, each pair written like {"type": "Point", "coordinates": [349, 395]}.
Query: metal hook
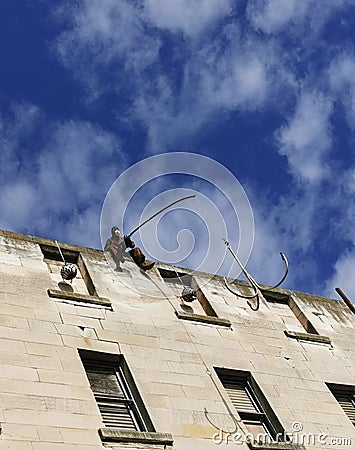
{"type": "Point", "coordinates": [258, 290]}
{"type": "Point", "coordinates": [239, 295]}
{"type": "Point", "coordinates": [237, 425]}
{"type": "Point", "coordinates": [283, 256]}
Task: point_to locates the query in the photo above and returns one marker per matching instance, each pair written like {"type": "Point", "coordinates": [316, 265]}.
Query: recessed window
{"type": "Point", "coordinates": [182, 283]}
{"type": "Point", "coordinates": [250, 403]}
{"type": "Point", "coordinates": [345, 396]}
{"type": "Point", "coordinates": [114, 390]}
{"type": "Point", "coordinates": [81, 284]}
{"type": "Point", "coordinates": [292, 316]}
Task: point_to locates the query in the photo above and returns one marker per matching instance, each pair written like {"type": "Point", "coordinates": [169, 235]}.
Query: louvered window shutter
{"type": "Point", "coordinates": [246, 403]}
{"type": "Point", "coordinates": [346, 400]}
{"type": "Point", "coordinates": [238, 393]}
{"type": "Point", "coordinates": [113, 396]}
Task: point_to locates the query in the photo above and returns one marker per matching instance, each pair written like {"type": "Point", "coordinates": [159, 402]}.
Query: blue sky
{"type": "Point", "coordinates": [265, 87]}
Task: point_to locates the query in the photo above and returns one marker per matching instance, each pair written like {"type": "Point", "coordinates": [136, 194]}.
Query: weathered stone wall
{"type": "Point", "coordinates": [45, 399]}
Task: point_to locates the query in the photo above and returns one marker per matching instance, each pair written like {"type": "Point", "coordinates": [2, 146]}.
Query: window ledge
{"type": "Point", "coordinates": [204, 319]}
{"type": "Point", "coordinates": [276, 446]}
{"type": "Point", "coordinates": [308, 337]}
{"type": "Point", "coordinates": [92, 299]}
{"type": "Point", "coordinates": [145, 437]}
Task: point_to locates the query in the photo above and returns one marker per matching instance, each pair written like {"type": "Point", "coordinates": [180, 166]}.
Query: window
{"type": "Point", "coordinates": [82, 288]}
{"type": "Point", "coordinates": [193, 305]}
{"type": "Point", "coordinates": [250, 403]}
{"type": "Point", "coordinates": [116, 395]}
{"type": "Point", "coordinates": [82, 283]}
{"type": "Point", "coordinates": [178, 281]}
{"type": "Point", "coordinates": [290, 313]}
{"type": "Point", "coordinates": [297, 326]}
{"type": "Point", "coordinates": [345, 396]}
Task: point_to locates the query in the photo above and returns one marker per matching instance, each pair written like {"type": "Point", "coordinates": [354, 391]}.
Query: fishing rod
{"type": "Point", "coordinates": [160, 211]}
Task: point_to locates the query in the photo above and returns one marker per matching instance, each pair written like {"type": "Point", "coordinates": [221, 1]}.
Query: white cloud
{"type": "Point", "coordinates": [189, 16]}
{"type": "Point", "coordinates": [58, 188]}
{"type": "Point", "coordinates": [235, 81]}
{"type": "Point", "coordinates": [105, 39]}
{"type": "Point", "coordinates": [77, 155]}
{"type": "Point", "coordinates": [342, 82]}
{"type": "Point", "coordinates": [289, 225]}
{"type": "Point", "coordinates": [234, 70]}
{"type": "Point", "coordinates": [265, 263]}
{"type": "Point", "coordinates": [239, 79]}
{"type": "Point", "coordinates": [343, 276]}
{"type": "Point", "coordinates": [349, 181]}
{"type": "Point", "coordinates": [13, 138]}
{"type": "Point", "coordinates": [218, 74]}
{"type": "Point", "coordinates": [306, 139]}
{"type": "Point", "coordinates": [305, 18]}
{"type": "Point", "coordinates": [272, 15]}
{"type": "Point", "coordinates": [342, 225]}
{"type": "Point", "coordinates": [18, 204]}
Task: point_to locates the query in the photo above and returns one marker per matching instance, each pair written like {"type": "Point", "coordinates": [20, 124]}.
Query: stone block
{"type": "Point", "coordinates": [95, 313]}
{"type": "Point", "coordinates": [161, 389]}
{"type": "Point", "coordinates": [49, 434]}
{"type": "Point", "coordinates": [14, 322]}
{"type": "Point", "coordinates": [156, 352]}
{"type": "Point", "coordinates": [71, 319]}
{"type": "Point", "coordinates": [16, 445]}
{"type": "Point", "coordinates": [72, 365]}
{"type": "Point", "coordinates": [11, 346]}
{"type": "Point", "coordinates": [61, 377]}
{"type": "Point", "coordinates": [49, 316]}
{"type": "Point", "coordinates": [42, 389]}
{"type": "Point", "coordinates": [18, 373]}
{"type": "Point", "coordinates": [21, 432]}
{"type": "Point", "coordinates": [16, 310]}
{"type": "Point", "coordinates": [80, 436]}
{"type": "Point", "coordinates": [80, 341]}
{"type": "Point", "coordinates": [53, 446]}
{"type": "Point", "coordinates": [197, 430]}
{"type": "Point", "coordinates": [50, 417]}
{"type": "Point", "coordinates": [34, 348]}
{"type": "Point", "coordinates": [91, 343]}
{"type": "Point", "coordinates": [41, 325]}
{"type": "Point", "coordinates": [132, 339]}
{"type": "Point", "coordinates": [30, 336]}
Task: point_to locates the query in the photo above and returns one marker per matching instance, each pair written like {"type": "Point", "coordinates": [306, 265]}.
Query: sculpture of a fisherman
{"type": "Point", "coordinates": [116, 246]}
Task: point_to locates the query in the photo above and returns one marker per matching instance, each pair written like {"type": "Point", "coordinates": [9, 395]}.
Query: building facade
{"type": "Point", "coordinates": [116, 360]}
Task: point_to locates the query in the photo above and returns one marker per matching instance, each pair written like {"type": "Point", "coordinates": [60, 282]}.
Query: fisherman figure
{"type": "Point", "coordinates": [137, 254]}
{"type": "Point", "coordinates": [117, 245]}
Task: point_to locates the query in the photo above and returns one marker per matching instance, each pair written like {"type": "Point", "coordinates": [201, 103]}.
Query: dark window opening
{"type": "Point", "coordinates": [290, 312]}
{"type": "Point", "coordinates": [345, 396]}
{"type": "Point", "coordinates": [177, 281]}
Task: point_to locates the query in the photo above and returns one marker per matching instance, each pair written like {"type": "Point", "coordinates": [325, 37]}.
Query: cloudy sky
{"type": "Point", "coordinates": [264, 87]}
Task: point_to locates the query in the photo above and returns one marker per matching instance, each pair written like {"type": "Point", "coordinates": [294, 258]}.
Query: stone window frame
{"type": "Point", "coordinates": [51, 252]}
{"type": "Point", "coordinates": [145, 432]}
{"type": "Point", "coordinates": [211, 316]}
{"type": "Point", "coordinates": [257, 394]}
{"type": "Point", "coordinates": [262, 414]}
{"type": "Point", "coordinates": [310, 334]}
